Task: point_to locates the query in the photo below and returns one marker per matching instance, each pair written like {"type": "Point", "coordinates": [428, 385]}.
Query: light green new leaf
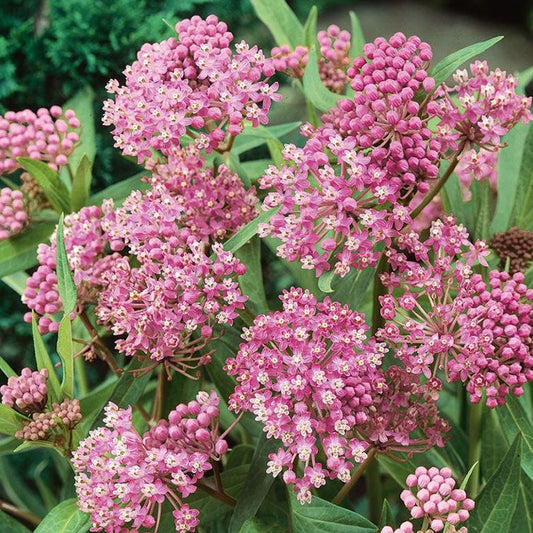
{"type": "Point", "coordinates": [315, 91]}
{"type": "Point", "coordinates": [321, 516]}
{"type": "Point", "coordinates": [20, 252]}
{"type": "Point", "coordinates": [325, 280]}
{"type": "Point", "coordinates": [65, 282]}
{"type": "Point", "coordinates": [43, 361]}
{"type": "Point", "coordinates": [53, 188]}
{"type": "Point", "coordinates": [447, 66]}
{"type": "Point", "coordinates": [357, 37]}
{"type": "Point", "coordinates": [497, 501]}
{"type": "Point", "coordinates": [310, 28]}
{"type": "Point", "coordinates": [253, 137]}
{"type": "Point", "coordinates": [522, 215]}
{"type": "Point", "coordinates": [81, 184]}
{"type": "Point", "coordinates": [6, 368]}
{"type": "Point", "coordinates": [279, 18]}
{"type": "Point", "coordinates": [65, 351]}
{"type": "Point", "coordinates": [65, 518]}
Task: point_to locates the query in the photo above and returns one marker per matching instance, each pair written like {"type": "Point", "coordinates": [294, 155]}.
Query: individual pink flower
{"type": "Point", "coordinates": [13, 213]}
{"type": "Point", "coordinates": [310, 376]}
{"type": "Point", "coordinates": [477, 165]}
{"type": "Point", "coordinates": [194, 84]}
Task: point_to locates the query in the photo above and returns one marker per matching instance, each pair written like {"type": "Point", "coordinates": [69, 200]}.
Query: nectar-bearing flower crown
{"type": "Point", "coordinates": [161, 272]}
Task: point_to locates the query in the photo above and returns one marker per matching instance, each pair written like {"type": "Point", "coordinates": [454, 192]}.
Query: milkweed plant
{"type": "Point", "coordinates": [370, 374]}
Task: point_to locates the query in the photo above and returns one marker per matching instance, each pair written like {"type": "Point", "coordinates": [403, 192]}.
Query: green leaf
{"type": "Point", "coordinates": [253, 137]}
{"type": "Point", "coordinates": [65, 352]}
{"type": "Point", "coordinates": [396, 469]}
{"type": "Point", "coordinates": [279, 18]}
{"type": "Point", "coordinates": [9, 525]}
{"type": "Point", "coordinates": [94, 402]}
{"type": "Point", "coordinates": [357, 37]}
{"type": "Point", "coordinates": [121, 190]}
{"type": "Point", "coordinates": [256, 485]}
{"type": "Point", "coordinates": [8, 445]}
{"type": "Point", "coordinates": [10, 420]}
{"type": "Point", "coordinates": [482, 200]}
{"type": "Point", "coordinates": [81, 184]}
{"type": "Point", "coordinates": [310, 28]}
{"type": "Point", "coordinates": [16, 281]}
{"type": "Point", "coordinates": [247, 232]}
{"type": "Point", "coordinates": [321, 516]}
{"type": "Point", "coordinates": [522, 520]}
{"type": "Point", "coordinates": [324, 281]}
{"type": "Point", "coordinates": [127, 390]}
{"type": "Point", "coordinates": [351, 289]}
{"type": "Point", "coordinates": [65, 282]}
{"type": "Point", "coordinates": [20, 252]}
{"type": "Point", "coordinates": [53, 188]}
{"type": "Point", "coordinates": [497, 501]}
{"type": "Point", "coordinates": [6, 368]}
{"type": "Point", "coordinates": [65, 518]}
{"type": "Point", "coordinates": [447, 66]}
{"type": "Point", "coordinates": [387, 516]}
{"type": "Point", "coordinates": [254, 525]}
{"type": "Point", "coordinates": [255, 169]}
{"type": "Point", "coordinates": [251, 282]}
{"type": "Point", "coordinates": [314, 90]}
{"type": "Point", "coordinates": [523, 207]}
{"type": "Point", "coordinates": [493, 443]}
{"type": "Point", "coordinates": [43, 361]}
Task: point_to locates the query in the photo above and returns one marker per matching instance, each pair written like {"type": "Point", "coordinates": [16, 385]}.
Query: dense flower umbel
{"type": "Point", "coordinates": [13, 213]}
{"type": "Point", "coordinates": [447, 318]}
{"type": "Point", "coordinates": [123, 478]}
{"type": "Point", "coordinates": [195, 83]}
{"type": "Point", "coordinates": [85, 248]}
{"type": "Point", "coordinates": [167, 306]}
{"type": "Point", "coordinates": [340, 209]}
{"type": "Point", "coordinates": [310, 376]}
{"type": "Point", "coordinates": [27, 392]}
{"type": "Point", "coordinates": [42, 135]}
{"type": "Point", "coordinates": [332, 62]}
{"type": "Point", "coordinates": [213, 200]}
{"type": "Point", "coordinates": [383, 115]}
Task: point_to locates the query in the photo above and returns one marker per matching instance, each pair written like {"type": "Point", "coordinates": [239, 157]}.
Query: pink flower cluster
{"type": "Point", "coordinates": [340, 208]}
{"type": "Point", "coordinates": [13, 212]}
{"type": "Point", "coordinates": [384, 116]}
{"type": "Point", "coordinates": [42, 135]}
{"type": "Point", "coordinates": [168, 305]}
{"type": "Point", "coordinates": [194, 84]}
{"type": "Point", "coordinates": [85, 247]}
{"type": "Point", "coordinates": [310, 376]}
{"type": "Point", "coordinates": [123, 478]}
{"type": "Point", "coordinates": [27, 392]}
{"type": "Point", "coordinates": [478, 334]}
{"type": "Point", "coordinates": [332, 62]}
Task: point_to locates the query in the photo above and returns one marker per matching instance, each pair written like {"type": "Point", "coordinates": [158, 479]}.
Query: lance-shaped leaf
{"type": "Point", "coordinates": [279, 18]}
{"type": "Point", "coordinates": [43, 361]}
{"type": "Point", "coordinates": [65, 281]}
{"type": "Point", "coordinates": [10, 420]}
{"type": "Point", "coordinates": [357, 37]}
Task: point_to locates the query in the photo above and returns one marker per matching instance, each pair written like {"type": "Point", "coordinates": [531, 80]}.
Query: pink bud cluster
{"type": "Point", "coordinates": [310, 376]}
{"type": "Point", "coordinates": [42, 135]}
{"type": "Point", "coordinates": [383, 114]}
{"type": "Point", "coordinates": [27, 392]}
{"type": "Point", "coordinates": [85, 248]}
{"type": "Point", "coordinates": [214, 202]}
{"type": "Point", "coordinates": [339, 208]}
{"type": "Point", "coordinates": [13, 212]}
{"type": "Point", "coordinates": [123, 478]}
{"type": "Point", "coordinates": [334, 47]}
{"type": "Point", "coordinates": [431, 495]}
{"type": "Point", "coordinates": [168, 305]}
{"type": "Point", "coordinates": [195, 83]}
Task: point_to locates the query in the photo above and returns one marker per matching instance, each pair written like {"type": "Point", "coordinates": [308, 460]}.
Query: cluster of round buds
{"type": "Point", "coordinates": [166, 307]}
{"type": "Point", "coordinates": [431, 495]}
{"type": "Point", "coordinates": [85, 248]}
{"type": "Point", "coordinates": [13, 212]}
{"type": "Point", "coordinates": [514, 246]}
{"type": "Point", "coordinates": [194, 84]}
{"type": "Point", "coordinates": [384, 117]}
{"type": "Point", "coordinates": [214, 202]}
{"type": "Point", "coordinates": [335, 204]}
{"type": "Point", "coordinates": [123, 478]}
{"type": "Point", "coordinates": [479, 110]}
{"type": "Point", "coordinates": [27, 392]}
{"type": "Point", "coordinates": [42, 135]}
{"type": "Point", "coordinates": [310, 376]}
{"type": "Point", "coordinates": [192, 427]}
{"type": "Point", "coordinates": [51, 425]}
{"type": "Point", "coordinates": [332, 62]}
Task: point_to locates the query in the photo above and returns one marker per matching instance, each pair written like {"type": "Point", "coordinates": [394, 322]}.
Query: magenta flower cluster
{"type": "Point", "coordinates": [194, 84]}
{"type": "Point", "coordinates": [123, 478]}
{"type": "Point", "coordinates": [13, 213]}
{"type": "Point", "coordinates": [43, 135]}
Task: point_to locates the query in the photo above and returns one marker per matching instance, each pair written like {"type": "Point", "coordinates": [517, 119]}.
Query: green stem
{"type": "Point", "coordinates": [354, 479]}
{"type": "Point", "coordinates": [475, 413]}
{"type": "Point", "coordinates": [440, 184]}
{"type": "Point", "coordinates": [81, 376]}
{"type": "Point", "coordinates": [374, 491]}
